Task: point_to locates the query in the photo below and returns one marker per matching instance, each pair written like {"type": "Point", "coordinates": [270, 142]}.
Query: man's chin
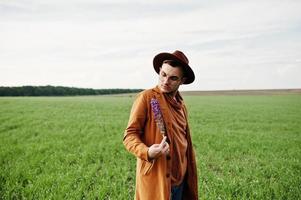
{"type": "Point", "coordinates": [164, 90]}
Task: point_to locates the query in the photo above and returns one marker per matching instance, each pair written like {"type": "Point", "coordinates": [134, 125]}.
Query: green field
{"type": "Point", "coordinates": [247, 147]}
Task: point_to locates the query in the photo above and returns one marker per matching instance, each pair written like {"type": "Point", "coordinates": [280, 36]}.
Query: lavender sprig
{"type": "Point", "coordinates": [158, 115]}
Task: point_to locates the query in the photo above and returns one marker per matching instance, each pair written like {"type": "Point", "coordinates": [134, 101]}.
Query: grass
{"type": "Point", "coordinates": [247, 147]}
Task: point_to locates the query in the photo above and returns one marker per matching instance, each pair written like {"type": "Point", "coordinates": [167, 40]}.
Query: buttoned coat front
{"type": "Point", "coordinates": [153, 177]}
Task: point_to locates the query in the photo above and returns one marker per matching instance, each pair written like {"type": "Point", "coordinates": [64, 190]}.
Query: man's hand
{"type": "Point", "coordinates": [157, 150]}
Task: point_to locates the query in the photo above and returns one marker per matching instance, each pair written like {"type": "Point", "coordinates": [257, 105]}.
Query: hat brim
{"type": "Point", "coordinates": [158, 61]}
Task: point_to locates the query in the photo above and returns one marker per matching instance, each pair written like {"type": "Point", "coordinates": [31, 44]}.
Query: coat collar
{"type": "Point", "coordinates": [157, 90]}
{"type": "Point", "coordinates": [165, 96]}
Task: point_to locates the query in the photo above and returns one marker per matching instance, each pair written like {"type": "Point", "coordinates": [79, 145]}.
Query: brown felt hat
{"type": "Point", "coordinates": [179, 57]}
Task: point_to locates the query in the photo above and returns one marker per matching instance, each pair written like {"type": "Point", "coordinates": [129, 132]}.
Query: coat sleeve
{"type": "Point", "coordinates": [135, 129]}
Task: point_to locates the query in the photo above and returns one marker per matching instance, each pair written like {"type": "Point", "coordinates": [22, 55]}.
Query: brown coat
{"type": "Point", "coordinates": [153, 177]}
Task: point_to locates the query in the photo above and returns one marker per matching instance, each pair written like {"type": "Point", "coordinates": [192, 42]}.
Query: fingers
{"type": "Point", "coordinates": [157, 150]}
{"type": "Point", "coordinates": [164, 146]}
{"type": "Point", "coordinates": [163, 142]}
{"type": "Point", "coordinates": [154, 151]}
{"type": "Point", "coordinates": [165, 149]}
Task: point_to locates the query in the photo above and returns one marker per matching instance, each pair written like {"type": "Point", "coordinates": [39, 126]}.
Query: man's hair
{"type": "Point", "coordinates": [174, 63]}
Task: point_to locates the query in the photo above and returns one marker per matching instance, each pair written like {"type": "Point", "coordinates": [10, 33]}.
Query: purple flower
{"type": "Point", "coordinates": [158, 115]}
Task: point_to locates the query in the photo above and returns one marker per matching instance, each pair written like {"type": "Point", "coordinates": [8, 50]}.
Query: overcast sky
{"type": "Point", "coordinates": [235, 44]}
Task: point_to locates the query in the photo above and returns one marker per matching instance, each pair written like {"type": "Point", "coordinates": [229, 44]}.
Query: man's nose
{"type": "Point", "coordinates": [165, 80]}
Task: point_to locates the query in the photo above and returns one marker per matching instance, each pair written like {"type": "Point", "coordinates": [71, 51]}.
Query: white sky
{"type": "Point", "coordinates": [235, 44]}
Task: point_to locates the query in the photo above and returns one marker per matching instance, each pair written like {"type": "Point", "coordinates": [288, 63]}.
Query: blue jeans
{"type": "Point", "coordinates": [176, 192]}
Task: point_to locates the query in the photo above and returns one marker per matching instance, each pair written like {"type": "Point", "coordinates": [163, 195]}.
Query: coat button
{"type": "Point", "coordinates": [168, 175]}
{"type": "Point", "coordinates": [167, 157]}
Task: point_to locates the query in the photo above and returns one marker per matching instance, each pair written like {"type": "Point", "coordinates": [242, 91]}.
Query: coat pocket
{"type": "Point", "coordinates": [146, 166]}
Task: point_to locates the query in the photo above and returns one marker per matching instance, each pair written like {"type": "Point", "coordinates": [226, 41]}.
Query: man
{"type": "Point", "coordinates": [158, 135]}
